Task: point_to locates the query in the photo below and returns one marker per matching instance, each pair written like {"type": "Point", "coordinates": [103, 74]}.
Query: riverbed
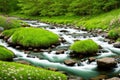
{"type": "Point", "coordinates": [49, 59]}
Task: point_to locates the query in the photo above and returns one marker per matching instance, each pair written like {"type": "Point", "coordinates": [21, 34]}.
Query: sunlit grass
{"type": "Point", "coordinates": [5, 54]}
{"type": "Point", "coordinates": [32, 37]}
{"type": "Point", "coordinates": [85, 47]}
{"type": "Point", "coordinates": [15, 71]}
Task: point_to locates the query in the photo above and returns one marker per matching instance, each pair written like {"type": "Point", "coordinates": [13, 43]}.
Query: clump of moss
{"type": "Point", "coordinates": [84, 47]}
{"type": "Point", "coordinates": [32, 37]}
{"type": "Point", "coordinates": [5, 54]}
{"type": "Point", "coordinates": [114, 33]}
{"type": "Point", "coordinates": [15, 71]}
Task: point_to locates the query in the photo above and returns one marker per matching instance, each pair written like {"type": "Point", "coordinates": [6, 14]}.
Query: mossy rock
{"type": "Point", "coordinates": [5, 54]}
{"type": "Point", "coordinates": [84, 47]}
{"type": "Point", "coordinates": [114, 33]}
{"type": "Point", "coordinates": [16, 71]}
{"type": "Point", "coordinates": [32, 37]}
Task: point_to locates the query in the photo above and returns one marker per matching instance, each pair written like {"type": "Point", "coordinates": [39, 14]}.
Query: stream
{"type": "Point", "coordinates": [48, 59]}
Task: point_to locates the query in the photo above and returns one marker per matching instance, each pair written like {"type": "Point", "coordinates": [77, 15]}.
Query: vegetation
{"type": "Point", "coordinates": [34, 37]}
{"type": "Point", "coordinates": [114, 33]}
{"type": "Point", "coordinates": [5, 54]}
{"type": "Point", "coordinates": [84, 47]}
{"type": "Point", "coordinates": [15, 71]}
{"type": "Point", "coordinates": [8, 23]}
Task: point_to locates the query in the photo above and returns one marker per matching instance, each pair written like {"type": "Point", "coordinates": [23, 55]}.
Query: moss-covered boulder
{"type": "Point", "coordinates": [15, 71]}
{"type": "Point", "coordinates": [84, 48]}
{"type": "Point", "coordinates": [5, 54]}
{"type": "Point", "coordinates": [31, 37]}
{"type": "Point", "coordinates": [114, 33]}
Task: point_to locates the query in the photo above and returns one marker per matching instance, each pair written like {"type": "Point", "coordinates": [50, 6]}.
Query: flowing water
{"type": "Point", "coordinates": [48, 59]}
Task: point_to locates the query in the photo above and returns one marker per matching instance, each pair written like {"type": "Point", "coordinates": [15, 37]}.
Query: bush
{"type": "Point", "coordinates": [32, 37]}
{"type": "Point", "coordinates": [5, 54]}
{"type": "Point", "coordinates": [8, 23]}
{"type": "Point", "coordinates": [84, 47]}
{"type": "Point", "coordinates": [15, 71]}
{"type": "Point", "coordinates": [114, 33]}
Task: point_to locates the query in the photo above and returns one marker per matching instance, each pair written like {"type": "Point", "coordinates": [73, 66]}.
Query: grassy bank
{"type": "Point", "coordinates": [107, 20]}
{"type": "Point", "coordinates": [15, 71]}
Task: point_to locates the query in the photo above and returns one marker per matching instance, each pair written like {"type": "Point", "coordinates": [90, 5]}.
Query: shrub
{"type": "Point", "coordinates": [114, 33]}
{"type": "Point", "coordinates": [15, 71]}
{"type": "Point", "coordinates": [84, 47]}
{"type": "Point", "coordinates": [32, 37]}
{"type": "Point", "coordinates": [5, 54]}
{"type": "Point", "coordinates": [8, 23]}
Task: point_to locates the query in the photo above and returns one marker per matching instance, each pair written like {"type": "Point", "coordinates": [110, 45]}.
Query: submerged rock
{"type": "Point", "coordinates": [106, 63]}
{"type": "Point", "coordinates": [60, 52]}
{"type": "Point", "coordinates": [69, 62]}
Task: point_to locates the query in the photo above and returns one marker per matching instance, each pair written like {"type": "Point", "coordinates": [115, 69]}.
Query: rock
{"type": "Point", "coordinates": [23, 62]}
{"type": "Point", "coordinates": [27, 52]}
{"type": "Point", "coordinates": [1, 29]}
{"type": "Point", "coordinates": [30, 48]}
{"type": "Point", "coordinates": [53, 46]}
{"type": "Point", "coordinates": [25, 25]}
{"type": "Point", "coordinates": [60, 52]}
{"type": "Point", "coordinates": [116, 45]}
{"type": "Point", "coordinates": [69, 62]}
{"type": "Point", "coordinates": [114, 78]}
{"type": "Point", "coordinates": [106, 63]}
{"type": "Point", "coordinates": [64, 31]}
{"type": "Point", "coordinates": [53, 69]}
{"type": "Point", "coordinates": [17, 47]}
{"type": "Point", "coordinates": [31, 56]}
{"type": "Point", "coordinates": [35, 50]}
{"type": "Point", "coordinates": [91, 59]}
{"type": "Point", "coordinates": [1, 36]}
{"type": "Point", "coordinates": [100, 77]}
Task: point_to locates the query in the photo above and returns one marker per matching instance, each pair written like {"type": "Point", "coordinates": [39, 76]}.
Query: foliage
{"type": "Point", "coordinates": [114, 33]}
{"type": "Point", "coordinates": [15, 71]}
{"type": "Point", "coordinates": [8, 23]}
{"type": "Point", "coordinates": [34, 37]}
{"type": "Point", "coordinates": [5, 54]}
{"type": "Point", "coordinates": [85, 47]}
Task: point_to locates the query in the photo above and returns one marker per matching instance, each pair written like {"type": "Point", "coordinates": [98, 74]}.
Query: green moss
{"type": "Point", "coordinates": [5, 54]}
{"type": "Point", "coordinates": [114, 34]}
{"type": "Point", "coordinates": [34, 37]}
{"type": "Point", "coordinates": [85, 47]}
{"type": "Point", "coordinates": [8, 23]}
{"type": "Point", "coordinates": [15, 71]}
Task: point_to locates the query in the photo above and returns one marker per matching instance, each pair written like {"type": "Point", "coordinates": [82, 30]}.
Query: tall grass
{"type": "Point", "coordinates": [5, 54]}
{"type": "Point", "coordinates": [15, 71]}
{"type": "Point", "coordinates": [8, 23]}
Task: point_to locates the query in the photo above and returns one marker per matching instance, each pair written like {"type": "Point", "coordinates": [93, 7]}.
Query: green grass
{"type": "Point", "coordinates": [15, 71]}
{"type": "Point", "coordinates": [5, 54]}
{"type": "Point", "coordinates": [8, 23]}
{"type": "Point", "coordinates": [114, 33]}
{"type": "Point", "coordinates": [32, 37]}
{"type": "Point", "coordinates": [84, 47]}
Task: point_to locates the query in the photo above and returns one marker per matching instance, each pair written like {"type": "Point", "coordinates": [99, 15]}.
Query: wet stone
{"type": "Point", "coordinates": [52, 69]}
{"type": "Point", "coordinates": [23, 62]}
{"type": "Point", "coordinates": [35, 50]}
{"type": "Point", "coordinates": [64, 31]}
{"type": "Point", "coordinates": [91, 59]}
{"type": "Point", "coordinates": [17, 47]}
{"type": "Point", "coordinates": [114, 78]}
{"type": "Point", "coordinates": [60, 52]}
{"type": "Point", "coordinates": [106, 63]}
{"type": "Point", "coordinates": [69, 62]}
{"type": "Point", "coordinates": [117, 45]}
{"type": "Point", "coordinates": [100, 77]}
{"type": "Point", "coordinates": [31, 56]}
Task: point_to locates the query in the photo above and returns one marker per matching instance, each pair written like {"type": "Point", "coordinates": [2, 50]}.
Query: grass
{"type": "Point", "coordinates": [32, 37]}
{"type": "Point", "coordinates": [8, 23]}
{"type": "Point", "coordinates": [5, 54]}
{"type": "Point", "coordinates": [114, 33]}
{"type": "Point", "coordinates": [84, 47]}
{"type": "Point", "coordinates": [15, 71]}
